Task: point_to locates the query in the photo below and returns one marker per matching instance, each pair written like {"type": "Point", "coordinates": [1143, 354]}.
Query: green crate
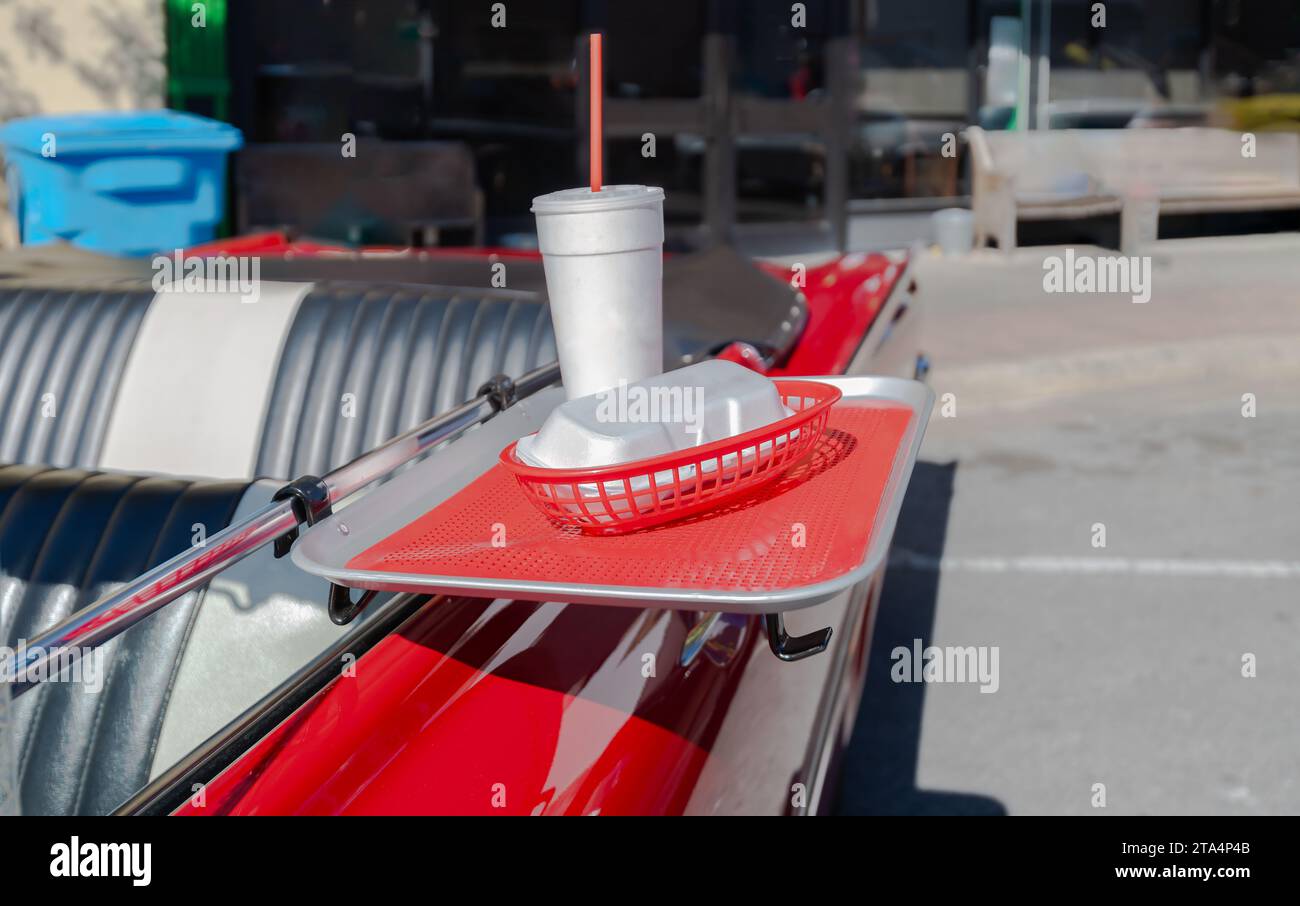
{"type": "Point", "coordinates": [197, 80]}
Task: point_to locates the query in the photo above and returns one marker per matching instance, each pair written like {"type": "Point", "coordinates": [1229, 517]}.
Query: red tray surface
{"type": "Point", "coordinates": [748, 544]}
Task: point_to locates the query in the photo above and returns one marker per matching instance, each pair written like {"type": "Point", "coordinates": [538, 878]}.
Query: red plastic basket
{"type": "Point", "coordinates": [636, 495]}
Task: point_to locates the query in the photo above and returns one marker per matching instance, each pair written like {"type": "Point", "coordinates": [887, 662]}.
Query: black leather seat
{"type": "Point", "coordinates": [62, 353]}
{"type": "Point", "coordinates": [403, 353]}
{"type": "Point", "coordinates": [67, 536]}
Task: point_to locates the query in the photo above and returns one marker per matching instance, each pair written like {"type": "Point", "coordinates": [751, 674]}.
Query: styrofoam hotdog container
{"type": "Point", "coordinates": [709, 401]}
{"type": "Point", "coordinates": [695, 405]}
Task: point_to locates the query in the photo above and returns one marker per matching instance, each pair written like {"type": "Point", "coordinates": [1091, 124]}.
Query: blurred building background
{"type": "Point", "coordinates": [764, 113]}
{"type": "Point", "coordinates": [78, 55]}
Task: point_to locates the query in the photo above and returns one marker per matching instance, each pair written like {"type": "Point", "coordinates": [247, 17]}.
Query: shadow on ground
{"type": "Point", "coordinates": [879, 773]}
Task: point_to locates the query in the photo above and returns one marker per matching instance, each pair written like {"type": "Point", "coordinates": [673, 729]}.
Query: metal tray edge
{"type": "Point", "coordinates": [918, 396]}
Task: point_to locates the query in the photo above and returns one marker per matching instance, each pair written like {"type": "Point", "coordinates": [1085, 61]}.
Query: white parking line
{"type": "Point", "coordinates": [1214, 569]}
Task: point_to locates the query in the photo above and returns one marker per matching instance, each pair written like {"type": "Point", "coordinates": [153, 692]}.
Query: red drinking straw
{"type": "Point", "coordinates": [597, 112]}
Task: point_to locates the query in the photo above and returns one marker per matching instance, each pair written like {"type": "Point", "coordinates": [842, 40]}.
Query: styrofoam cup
{"type": "Point", "coordinates": [603, 256]}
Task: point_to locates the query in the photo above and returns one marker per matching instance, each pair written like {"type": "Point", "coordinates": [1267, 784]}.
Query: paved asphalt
{"type": "Point", "coordinates": [1120, 665]}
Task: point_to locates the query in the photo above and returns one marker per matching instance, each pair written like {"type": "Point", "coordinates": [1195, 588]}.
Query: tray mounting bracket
{"type": "Point", "coordinates": [310, 499]}
{"type": "Point", "coordinates": [794, 647]}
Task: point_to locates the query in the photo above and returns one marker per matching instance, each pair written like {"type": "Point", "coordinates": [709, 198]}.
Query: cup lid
{"type": "Point", "coordinates": [609, 198]}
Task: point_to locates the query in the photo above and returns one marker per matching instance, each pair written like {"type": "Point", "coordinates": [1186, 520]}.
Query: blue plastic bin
{"type": "Point", "coordinates": [120, 183]}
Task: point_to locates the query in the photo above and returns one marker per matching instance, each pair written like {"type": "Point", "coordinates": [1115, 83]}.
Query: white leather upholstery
{"type": "Point", "coordinates": [261, 620]}
{"type": "Point", "coordinates": [194, 395]}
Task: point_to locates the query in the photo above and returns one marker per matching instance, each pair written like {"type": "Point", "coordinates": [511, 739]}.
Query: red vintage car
{"type": "Point", "coordinates": [145, 525]}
